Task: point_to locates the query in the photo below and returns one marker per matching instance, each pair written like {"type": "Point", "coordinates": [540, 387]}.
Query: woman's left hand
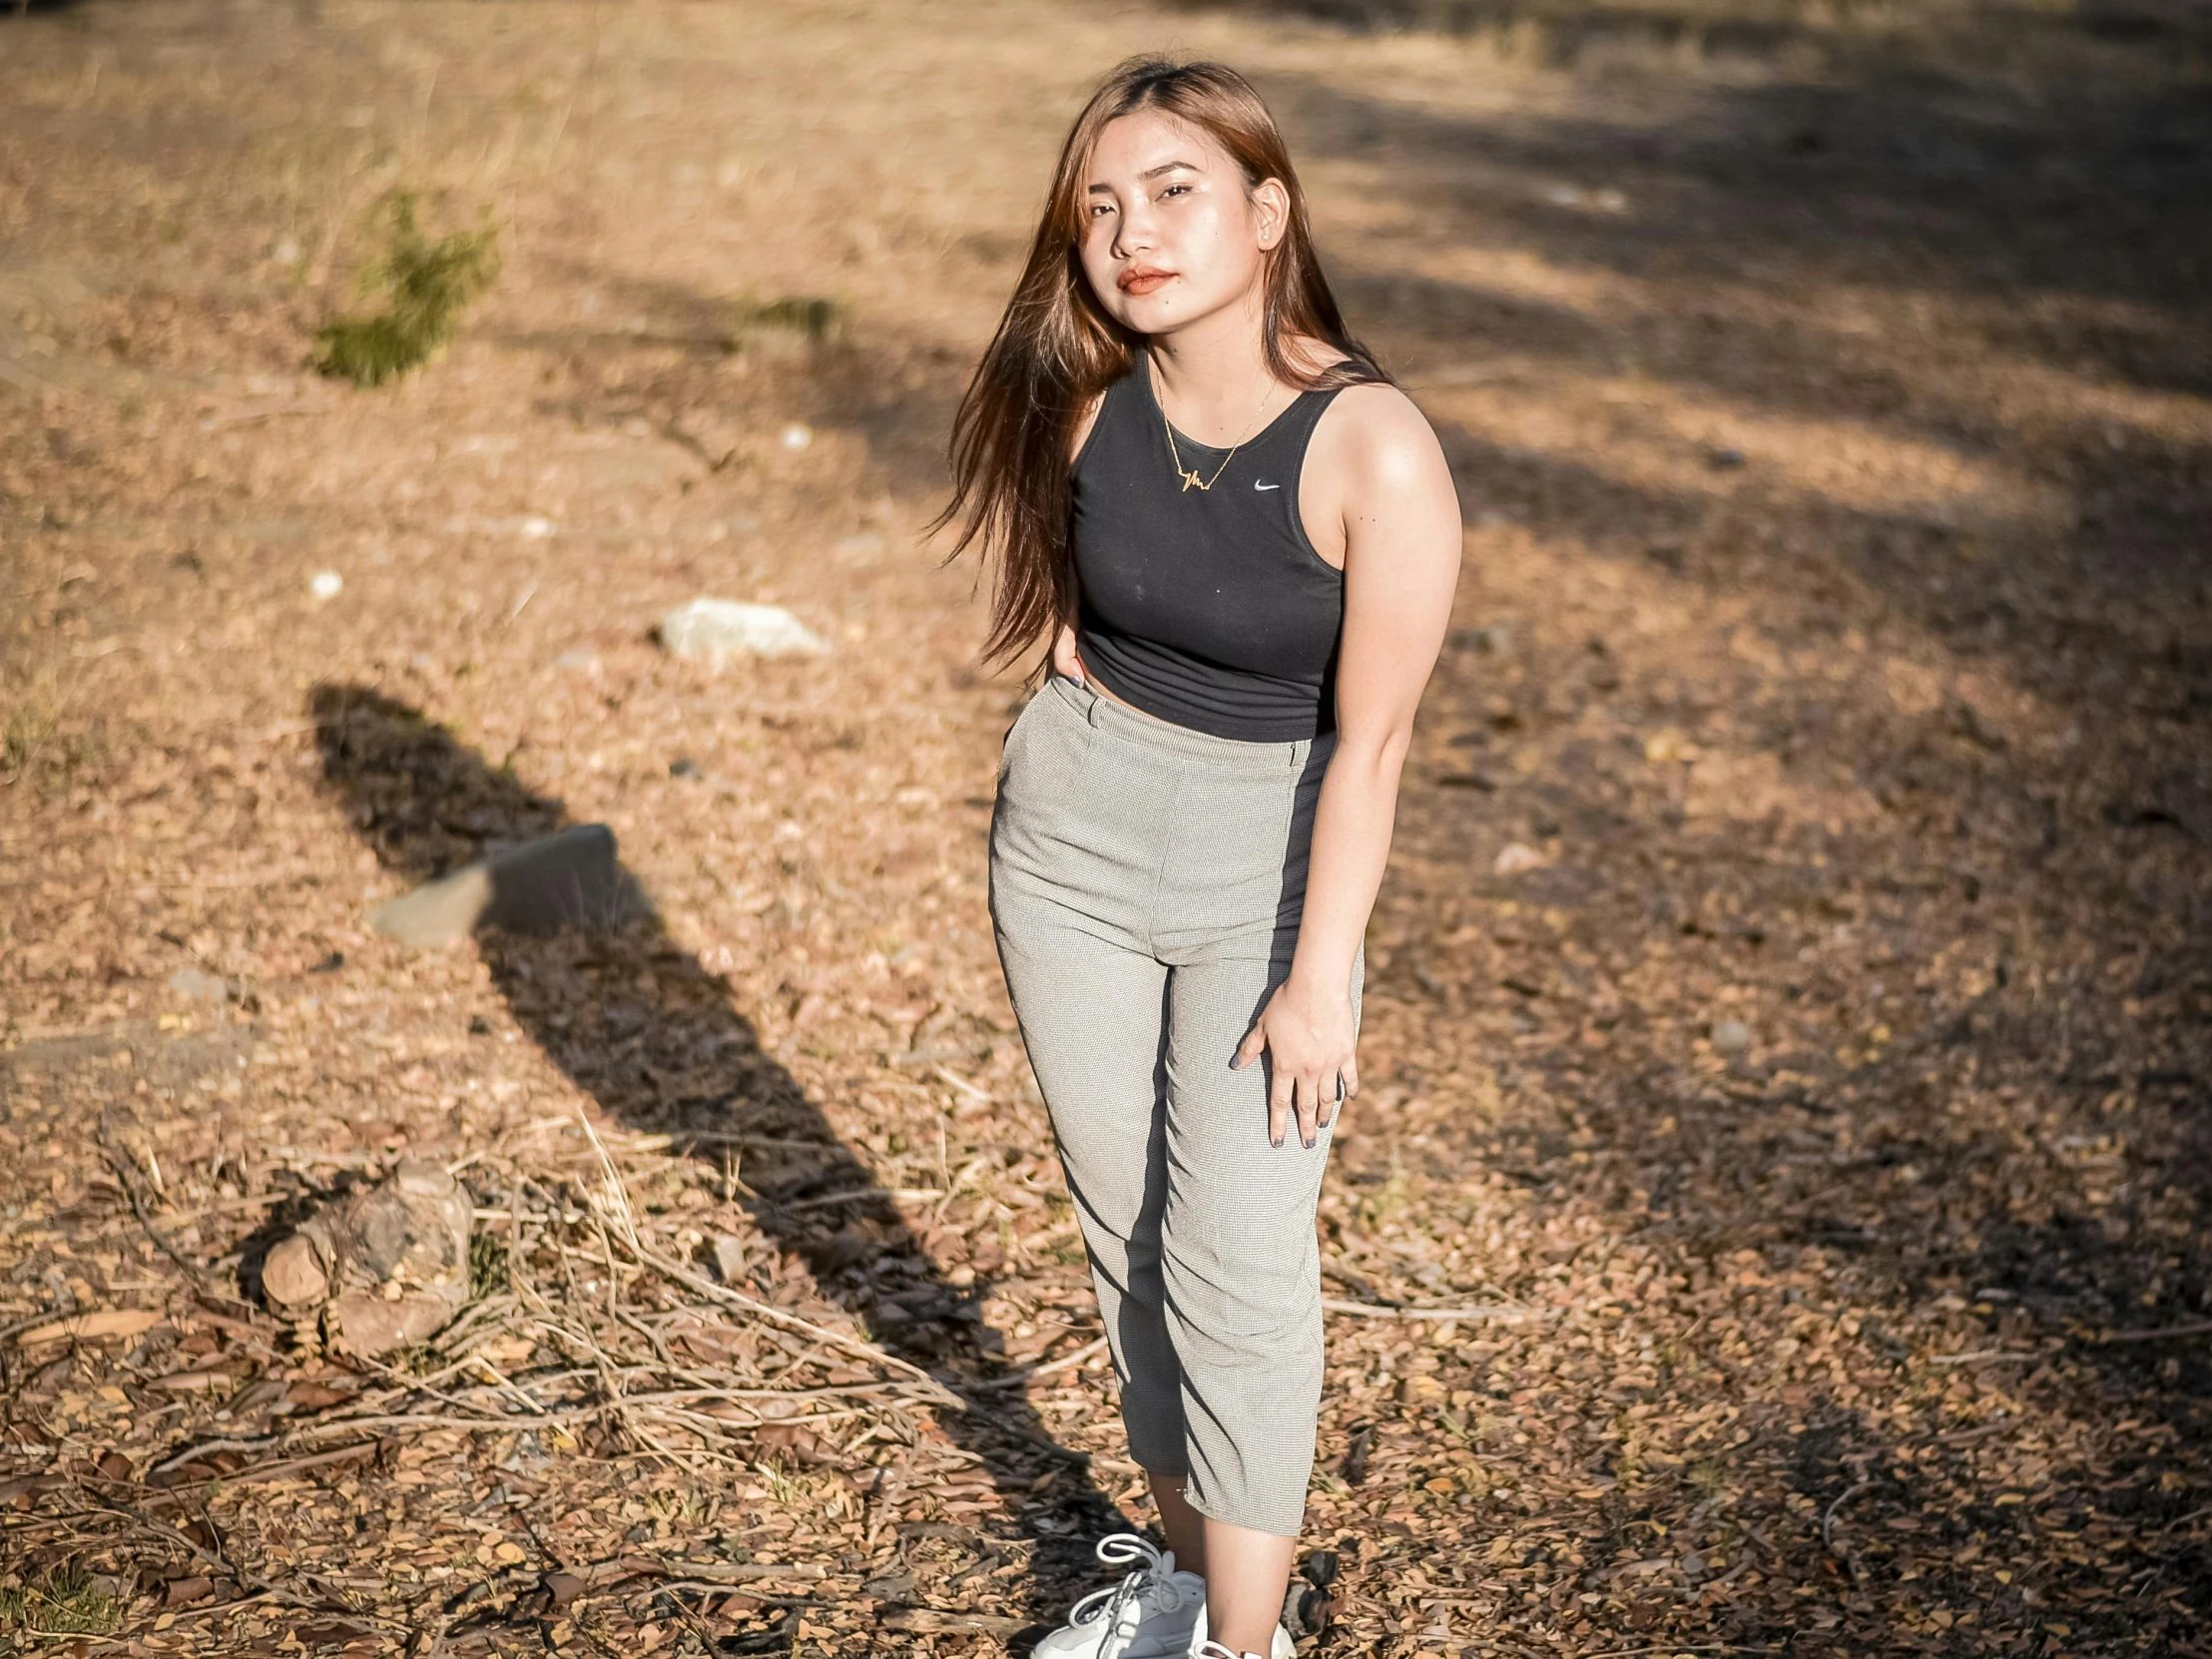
{"type": "Point", "coordinates": [1311, 1039]}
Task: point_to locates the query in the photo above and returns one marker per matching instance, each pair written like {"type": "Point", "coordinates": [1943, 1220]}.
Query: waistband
{"type": "Point", "coordinates": [1167, 737]}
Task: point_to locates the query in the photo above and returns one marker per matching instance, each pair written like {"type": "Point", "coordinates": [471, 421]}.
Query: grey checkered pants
{"type": "Point", "coordinates": [1147, 883]}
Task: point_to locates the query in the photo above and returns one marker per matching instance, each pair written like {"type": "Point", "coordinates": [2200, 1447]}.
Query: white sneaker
{"type": "Point", "coordinates": [1201, 1648]}
{"type": "Point", "coordinates": [1148, 1615]}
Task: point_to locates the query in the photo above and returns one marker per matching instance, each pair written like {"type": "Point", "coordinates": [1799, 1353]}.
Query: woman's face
{"type": "Point", "coordinates": [1171, 233]}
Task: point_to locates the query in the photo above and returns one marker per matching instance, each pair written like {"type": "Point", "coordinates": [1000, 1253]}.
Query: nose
{"type": "Point", "coordinates": [1134, 230]}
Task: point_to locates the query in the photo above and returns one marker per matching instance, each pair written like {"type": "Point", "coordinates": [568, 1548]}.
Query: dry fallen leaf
{"type": "Point", "coordinates": [106, 1322]}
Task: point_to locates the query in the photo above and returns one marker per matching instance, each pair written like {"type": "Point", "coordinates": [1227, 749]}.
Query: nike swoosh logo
{"type": "Point", "coordinates": [1255, 484]}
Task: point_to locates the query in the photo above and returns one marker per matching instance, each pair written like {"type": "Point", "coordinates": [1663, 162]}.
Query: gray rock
{"type": "Point", "coordinates": [568, 880]}
{"type": "Point", "coordinates": [1731, 1036]}
{"type": "Point", "coordinates": [714, 630]}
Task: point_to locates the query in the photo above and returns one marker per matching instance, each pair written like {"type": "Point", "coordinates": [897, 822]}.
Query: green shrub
{"type": "Point", "coordinates": [427, 284]}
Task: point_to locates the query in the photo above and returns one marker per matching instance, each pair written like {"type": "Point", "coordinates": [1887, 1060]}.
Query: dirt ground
{"type": "Point", "coordinates": [1790, 1026]}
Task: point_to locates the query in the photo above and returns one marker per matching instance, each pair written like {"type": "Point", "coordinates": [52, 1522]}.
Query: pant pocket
{"type": "Point", "coordinates": [1011, 742]}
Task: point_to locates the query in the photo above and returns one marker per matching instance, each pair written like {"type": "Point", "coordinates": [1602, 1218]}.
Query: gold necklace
{"type": "Point", "coordinates": [1190, 478]}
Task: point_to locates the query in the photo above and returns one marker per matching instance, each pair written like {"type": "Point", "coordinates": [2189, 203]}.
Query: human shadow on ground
{"type": "Point", "coordinates": [653, 1037]}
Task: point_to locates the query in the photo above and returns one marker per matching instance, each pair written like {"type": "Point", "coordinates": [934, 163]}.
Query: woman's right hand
{"type": "Point", "coordinates": [1064, 659]}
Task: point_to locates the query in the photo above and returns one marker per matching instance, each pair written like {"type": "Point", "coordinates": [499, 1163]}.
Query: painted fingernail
{"type": "Point", "coordinates": [1308, 1146]}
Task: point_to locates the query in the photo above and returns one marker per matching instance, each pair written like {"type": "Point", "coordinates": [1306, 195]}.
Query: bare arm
{"type": "Point", "coordinates": [1401, 527]}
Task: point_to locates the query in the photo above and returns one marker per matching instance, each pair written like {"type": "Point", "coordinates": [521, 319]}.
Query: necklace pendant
{"type": "Point", "coordinates": [1191, 479]}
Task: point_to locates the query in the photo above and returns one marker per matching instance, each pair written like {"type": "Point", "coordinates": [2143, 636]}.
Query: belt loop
{"type": "Point", "coordinates": [1097, 702]}
{"type": "Point", "coordinates": [1298, 750]}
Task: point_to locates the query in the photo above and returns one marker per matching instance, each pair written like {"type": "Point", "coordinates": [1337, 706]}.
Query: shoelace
{"type": "Point", "coordinates": [1155, 1581]}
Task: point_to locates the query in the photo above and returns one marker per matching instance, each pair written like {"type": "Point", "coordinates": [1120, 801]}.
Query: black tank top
{"type": "Point", "coordinates": [1207, 608]}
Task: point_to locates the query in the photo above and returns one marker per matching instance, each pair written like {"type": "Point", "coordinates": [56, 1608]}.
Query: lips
{"type": "Point", "coordinates": [1141, 280]}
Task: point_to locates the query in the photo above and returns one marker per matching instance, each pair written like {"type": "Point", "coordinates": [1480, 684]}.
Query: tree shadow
{"type": "Point", "coordinates": [654, 1038]}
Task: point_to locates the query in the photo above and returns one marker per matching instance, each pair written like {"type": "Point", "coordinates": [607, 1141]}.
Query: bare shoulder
{"type": "Point", "coordinates": [1379, 426]}
{"type": "Point", "coordinates": [1377, 446]}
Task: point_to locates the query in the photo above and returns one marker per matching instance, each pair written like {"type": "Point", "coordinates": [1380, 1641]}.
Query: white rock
{"type": "Point", "coordinates": [717, 629]}
{"type": "Point", "coordinates": [1731, 1036]}
{"type": "Point", "coordinates": [326, 584]}
{"type": "Point", "coordinates": [1517, 859]}
{"type": "Point", "coordinates": [205, 987]}
{"type": "Point", "coordinates": [797, 436]}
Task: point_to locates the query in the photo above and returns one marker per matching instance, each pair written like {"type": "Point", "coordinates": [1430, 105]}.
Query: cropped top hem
{"type": "Point", "coordinates": [1098, 656]}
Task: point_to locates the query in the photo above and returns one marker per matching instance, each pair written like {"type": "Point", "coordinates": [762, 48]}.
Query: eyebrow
{"type": "Point", "coordinates": [1152, 172]}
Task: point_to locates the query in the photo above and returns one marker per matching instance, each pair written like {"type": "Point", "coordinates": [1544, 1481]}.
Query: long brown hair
{"type": "Point", "coordinates": [1057, 349]}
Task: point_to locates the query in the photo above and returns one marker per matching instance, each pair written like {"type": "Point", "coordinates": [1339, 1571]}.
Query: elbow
{"type": "Point", "coordinates": [1374, 755]}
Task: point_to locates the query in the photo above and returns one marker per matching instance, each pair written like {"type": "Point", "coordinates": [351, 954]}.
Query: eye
{"type": "Point", "coordinates": [1175, 189]}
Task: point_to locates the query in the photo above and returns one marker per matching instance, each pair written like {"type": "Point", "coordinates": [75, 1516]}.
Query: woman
{"type": "Point", "coordinates": [1241, 543]}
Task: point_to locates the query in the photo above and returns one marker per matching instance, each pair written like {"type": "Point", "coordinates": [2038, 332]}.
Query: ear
{"type": "Point", "coordinates": [1271, 209]}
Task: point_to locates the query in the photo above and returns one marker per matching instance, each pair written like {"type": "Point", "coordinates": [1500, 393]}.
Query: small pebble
{"type": "Point", "coordinates": [797, 436]}
{"type": "Point", "coordinates": [1731, 1036]}
{"type": "Point", "coordinates": [1517, 859]}
{"type": "Point", "coordinates": [1726, 460]}
{"type": "Point", "coordinates": [684, 767]}
{"type": "Point", "coordinates": [326, 584]}
{"type": "Point", "coordinates": [203, 987]}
